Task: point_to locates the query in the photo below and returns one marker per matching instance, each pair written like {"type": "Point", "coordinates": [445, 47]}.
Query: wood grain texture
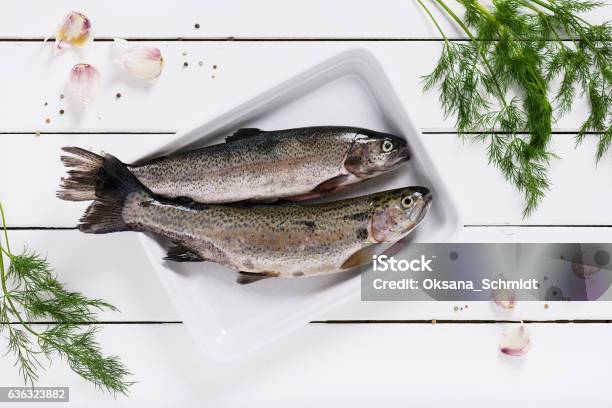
{"type": "Point", "coordinates": [188, 95]}
{"type": "Point", "coordinates": [355, 365]}
{"type": "Point", "coordinates": [237, 19]}
{"type": "Point", "coordinates": [257, 45]}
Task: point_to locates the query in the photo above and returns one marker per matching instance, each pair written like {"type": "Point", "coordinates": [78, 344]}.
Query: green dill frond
{"type": "Point", "coordinates": [500, 81]}
{"type": "Point", "coordinates": [605, 141]}
{"type": "Point", "coordinates": [84, 356]}
{"type": "Point", "coordinates": [31, 292]}
{"type": "Point", "coordinates": [42, 296]}
{"type": "Point", "coordinates": [19, 344]}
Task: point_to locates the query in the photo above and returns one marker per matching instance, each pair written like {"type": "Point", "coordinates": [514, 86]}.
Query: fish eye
{"type": "Point", "coordinates": [387, 146]}
{"type": "Point", "coordinates": [407, 201]}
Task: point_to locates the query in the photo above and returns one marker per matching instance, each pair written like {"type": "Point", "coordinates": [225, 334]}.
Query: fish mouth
{"type": "Point", "coordinates": [427, 198]}
{"type": "Point", "coordinates": [424, 191]}
{"type": "Point", "coordinates": [425, 209]}
{"type": "Point", "coordinates": [402, 155]}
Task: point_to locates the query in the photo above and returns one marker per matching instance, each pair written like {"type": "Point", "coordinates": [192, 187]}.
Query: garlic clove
{"type": "Point", "coordinates": [504, 298]}
{"type": "Point", "coordinates": [84, 82]}
{"type": "Point", "coordinates": [516, 341]}
{"type": "Point", "coordinates": [142, 62]}
{"type": "Point", "coordinates": [74, 31]}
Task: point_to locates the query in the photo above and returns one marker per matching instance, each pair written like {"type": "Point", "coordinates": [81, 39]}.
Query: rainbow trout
{"type": "Point", "coordinates": [254, 165]}
{"type": "Point", "coordinates": [258, 241]}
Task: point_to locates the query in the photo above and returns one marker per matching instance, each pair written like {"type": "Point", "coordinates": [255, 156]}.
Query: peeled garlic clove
{"type": "Point", "coordinates": [75, 30]}
{"type": "Point", "coordinates": [84, 82]}
{"type": "Point", "coordinates": [143, 62]}
{"type": "Point", "coordinates": [516, 341]}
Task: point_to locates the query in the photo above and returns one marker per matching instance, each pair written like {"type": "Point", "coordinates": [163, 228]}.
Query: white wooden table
{"type": "Point", "coordinates": [359, 354]}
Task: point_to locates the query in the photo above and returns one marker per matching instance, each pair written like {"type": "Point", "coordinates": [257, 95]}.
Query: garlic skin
{"type": "Point", "coordinates": [74, 31]}
{"type": "Point", "coordinates": [84, 82]}
{"type": "Point", "coordinates": [516, 342]}
{"type": "Point", "coordinates": [504, 298]}
{"type": "Point", "coordinates": [583, 264]}
{"type": "Point", "coordinates": [142, 62]}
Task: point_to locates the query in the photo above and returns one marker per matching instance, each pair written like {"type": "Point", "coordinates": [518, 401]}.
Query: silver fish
{"type": "Point", "coordinates": [255, 165]}
{"type": "Point", "coordinates": [259, 241]}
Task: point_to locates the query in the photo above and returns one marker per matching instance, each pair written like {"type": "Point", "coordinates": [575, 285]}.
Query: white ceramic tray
{"type": "Point", "coordinates": [227, 319]}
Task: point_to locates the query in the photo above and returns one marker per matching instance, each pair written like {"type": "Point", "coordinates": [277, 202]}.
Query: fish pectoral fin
{"type": "Point", "coordinates": [359, 258]}
{"type": "Point", "coordinates": [241, 134]}
{"type": "Point", "coordinates": [330, 185]}
{"type": "Point", "coordinates": [244, 278]}
{"type": "Point", "coordinates": [179, 253]}
{"type": "Point", "coordinates": [326, 187]}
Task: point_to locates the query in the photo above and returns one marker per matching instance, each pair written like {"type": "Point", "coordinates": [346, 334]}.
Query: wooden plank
{"type": "Point", "coordinates": [536, 234]}
{"type": "Point", "coordinates": [187, 95]}
{"type": "Point", "coordinates": [31, 170]}
{"type": "Point", "coordinates": [236, 18]}
{"type": "Point", "coordinates": [110, 267]}
{"type": "Point", "coordinates": [354, 365]}
{"type": "Point", "coordinates": [29, 197]}
{"type": "Point", "coordinates": [485, 198]}
{"type": "Point", "coordinates": [357, 310]}
{"type": "Point", "coordinates": [115, 268]}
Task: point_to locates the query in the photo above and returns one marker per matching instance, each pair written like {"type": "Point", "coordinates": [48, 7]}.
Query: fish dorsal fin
{"type": "Point", "coordinates": [241, 134]}
{"type": "Point", "coordinates": [179, 253]}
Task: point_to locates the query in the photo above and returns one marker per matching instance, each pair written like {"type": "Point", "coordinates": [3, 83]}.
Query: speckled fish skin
{"type": "Point", "coordinates": [291, 240]}
{"type": "Point", "coordinates": [296, 164]}
{"type": "Point", "coordinates": [287, 240]}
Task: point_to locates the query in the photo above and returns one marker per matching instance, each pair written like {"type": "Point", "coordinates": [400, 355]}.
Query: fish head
{"type": "Point", "coordinates": [373, 153]}
{"type": "Point", "coordinates": [397, 212]}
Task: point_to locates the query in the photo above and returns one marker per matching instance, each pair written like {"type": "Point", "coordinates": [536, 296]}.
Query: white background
{"type": "Point", "coordinates": [372, 353]}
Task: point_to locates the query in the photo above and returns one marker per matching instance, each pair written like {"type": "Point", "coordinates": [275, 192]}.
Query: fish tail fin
{"type": "Point", "coordinates": [102, 218]}
{"type": "Point", "coordinates": [113, 186]}
{"type": "Point", "coordinates": [85, 170]}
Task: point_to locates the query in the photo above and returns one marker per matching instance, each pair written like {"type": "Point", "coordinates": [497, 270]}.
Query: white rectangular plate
{"type": "Point", "coordinates": [351, 89]}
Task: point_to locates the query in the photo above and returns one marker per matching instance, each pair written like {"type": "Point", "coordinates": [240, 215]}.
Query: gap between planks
{"type": "Point", "coordinates": [369, 321]}
{"type": "Point", "coordinates": [537, 226]}
{"type": "Point", "coordinates": [465, 321]}
{"type": "Point", "coordinates": [264, 39]}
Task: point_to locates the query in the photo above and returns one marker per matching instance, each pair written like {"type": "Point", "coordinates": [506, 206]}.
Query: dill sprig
{"type": "Point", "coordinates": [498, 85]}
{"type": "Point", "coordinates": [30, 293]}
